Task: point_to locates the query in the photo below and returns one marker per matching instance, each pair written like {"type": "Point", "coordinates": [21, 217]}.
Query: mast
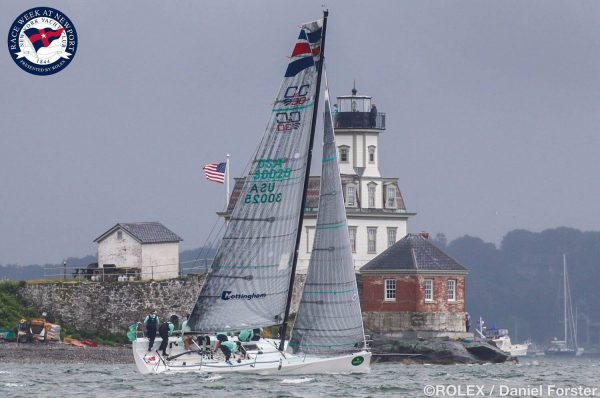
{"type": "Point", "coordinates": [306, 177]}
{"type": "Point", "coordinates": [565, 292]}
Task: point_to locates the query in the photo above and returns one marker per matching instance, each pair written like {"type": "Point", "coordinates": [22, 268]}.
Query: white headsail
{"type": "Point", "coordinates": [329, 319]}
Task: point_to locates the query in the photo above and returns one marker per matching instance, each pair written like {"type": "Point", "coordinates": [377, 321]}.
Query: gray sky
{"type": "Point", "coordinates": [493, 113]}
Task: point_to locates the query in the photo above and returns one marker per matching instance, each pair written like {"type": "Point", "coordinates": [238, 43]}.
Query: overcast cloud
{"type": "Point", "coordinates": [492, 113]}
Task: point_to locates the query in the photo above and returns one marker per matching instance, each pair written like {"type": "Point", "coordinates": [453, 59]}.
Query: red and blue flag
{"type": "Point", "coordinates": [306, 52]}
{"type": "Point", "coordinates": [42, 37]}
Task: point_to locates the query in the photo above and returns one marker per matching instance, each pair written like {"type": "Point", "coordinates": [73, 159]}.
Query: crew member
{"type": "Point", "coordinates": [334, 112]}
{"type": "Point", "coordinates": [151, 323]}
{"type": "Point", "coordinates": [467, 321]}
{"type": "Point", "coordinates": [164, 330]}
{"type": "Point", "coordinates": [228, 348]}
{"type": "Point", "coordinates": [187, 339]}
{"type": "Point", "coordinates": [256, 334]}
{"type": "Point", "coordinates": [246, 335]}
{"type": "Point", "coordinates": [373, 115]}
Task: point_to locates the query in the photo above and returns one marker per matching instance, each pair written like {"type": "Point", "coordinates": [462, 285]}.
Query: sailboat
{"type": "Point", "coordinates": [568, 346]}
{"type": "Point", "coordinates": [249, 285]}
{"type": "Point", "coordinates": [501, 339]}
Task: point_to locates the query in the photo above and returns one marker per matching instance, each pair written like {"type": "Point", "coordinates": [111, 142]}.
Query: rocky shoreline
{"type": "Point", "coordinates": [64, 353]}
{"type": "Point", "coordinates": [435, 351]}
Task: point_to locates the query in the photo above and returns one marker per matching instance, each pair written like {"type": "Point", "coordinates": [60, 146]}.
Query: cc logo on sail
{"type": "Point", "coordinates": [287, 121]}
{"type": "Point", "coordinates": [296, 95]}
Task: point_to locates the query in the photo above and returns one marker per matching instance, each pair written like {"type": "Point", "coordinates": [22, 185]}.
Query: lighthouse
{"type": "Point", "coordinates": [375, 209]}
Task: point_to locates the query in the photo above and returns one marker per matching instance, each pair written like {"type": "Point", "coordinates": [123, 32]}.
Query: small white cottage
{"type": "Point", "coordinates": [148, 246]}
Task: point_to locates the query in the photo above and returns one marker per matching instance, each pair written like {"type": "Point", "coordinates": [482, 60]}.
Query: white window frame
{"type": "Point", "coordinates": [394, 230]}
{"type": "Point", "coordinates": [352, 234]}
{"type": "Point", "coordinates": [389, 287]}
{"type": "Point", "coordinates": [346, 150]}
{"type": "Point", "coordinates": [350, 199]}
{"type": "Point", "coordinates": [452, 290]}
{"type": "Point", "coordinates": [374, 240]}
{"type": "Point", "coordinates": [428, 290]}
{"type": "Point", "coordinates": [390, 199]}
{"type": "Point", "coordinates": [310, 239]}
{"type": "Point", "coordinates": [372, 194]}
{"type": "Point", "coordinates": [371, 154]}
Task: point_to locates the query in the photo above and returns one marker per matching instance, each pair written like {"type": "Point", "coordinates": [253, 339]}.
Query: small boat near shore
{"type": "Point", "coordinates": [501, 339]}
{"type": "Point", "coordinates": [568, 346]}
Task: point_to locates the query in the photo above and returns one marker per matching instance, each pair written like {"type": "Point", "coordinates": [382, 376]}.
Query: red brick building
{"type": "Point", "coordinates": [414, 289]}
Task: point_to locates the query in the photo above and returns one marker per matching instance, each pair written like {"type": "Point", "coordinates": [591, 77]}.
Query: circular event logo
{"type": "Point", "coordinates": [42, 41]}
{"type": "Point", "coordinates": [357, 360]}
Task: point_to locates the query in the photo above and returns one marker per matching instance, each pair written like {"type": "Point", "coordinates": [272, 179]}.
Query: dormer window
{"type": "Point", "coordinates": [390, 196]}
{"type": "Point", "coordinates": [371, 154]}
{"type": "Point", "coordinates": [344, 153]}
{"type": "Point", "coordinates": [350, 195]}
{"type": "Point", "coordinates": [371, 191]}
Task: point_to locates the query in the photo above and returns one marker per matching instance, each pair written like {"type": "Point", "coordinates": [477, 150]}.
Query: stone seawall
{"type": "Point", "coordinates": [402, 324]}
{"type": "Point", "coordinates": [111, 307]}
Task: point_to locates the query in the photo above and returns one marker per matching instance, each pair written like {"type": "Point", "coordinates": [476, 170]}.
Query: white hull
{"type": "Point", "coordinates": [518, 350]}
{"type": "Point", "coordinates": [515, 350]}
{"type": "Point", "coordinates": [264, 359]}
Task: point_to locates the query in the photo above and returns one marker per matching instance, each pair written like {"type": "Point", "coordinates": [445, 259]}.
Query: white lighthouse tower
{"type": "Point", "coordinates": [377, 216]}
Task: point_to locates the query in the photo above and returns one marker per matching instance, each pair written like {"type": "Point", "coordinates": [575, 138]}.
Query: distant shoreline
{"type": "Point", "coordinates": [63, 353]}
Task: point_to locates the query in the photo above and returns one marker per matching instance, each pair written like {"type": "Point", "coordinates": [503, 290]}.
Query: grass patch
{"type": "Point", "coordinates": [12, 306]}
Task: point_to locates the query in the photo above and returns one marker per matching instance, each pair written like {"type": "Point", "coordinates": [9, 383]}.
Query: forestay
{"type": "Point", "coordinates": [329, 319]}
{"type": "Point", "coordinates": [248, 283]}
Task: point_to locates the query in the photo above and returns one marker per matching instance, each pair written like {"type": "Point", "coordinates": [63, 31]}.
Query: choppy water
{"type": "Point", "coordinates": [394, 380]}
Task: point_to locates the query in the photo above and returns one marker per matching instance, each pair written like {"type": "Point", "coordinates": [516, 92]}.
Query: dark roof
{"type": "Point", "coordinates": [413, 253]}
{"type": "Point", "coordinates": [312, 199]}
{"type": "Point", "coordinates": [144, 232]}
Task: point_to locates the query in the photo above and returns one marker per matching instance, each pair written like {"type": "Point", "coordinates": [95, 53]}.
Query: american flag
{"type": "Point", "coordinates": [215, 172]}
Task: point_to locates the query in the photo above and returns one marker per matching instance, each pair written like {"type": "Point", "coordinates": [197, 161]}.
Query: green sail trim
{"type": "Point", "coordinates": [295, 108]}
{"type": "Point", "coordinates": [245, 266]}
{"type": "Point", "coordinates": [329, 159]}
{"type": "Point", "coordinates": [334, 226]}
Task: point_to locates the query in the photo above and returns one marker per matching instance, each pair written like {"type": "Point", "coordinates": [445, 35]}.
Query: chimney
{"type": "Point", "coordinates": [424, 235]}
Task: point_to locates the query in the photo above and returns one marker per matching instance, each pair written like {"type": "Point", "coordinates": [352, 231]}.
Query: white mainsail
{"type": "Point", "coordinates": [249, 280]}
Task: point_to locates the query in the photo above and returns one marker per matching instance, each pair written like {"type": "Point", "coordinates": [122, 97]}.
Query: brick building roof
{"type": "Point", "coordinates": [145, 232]}
{"type": "Point", "coordinates": [416, 253]}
